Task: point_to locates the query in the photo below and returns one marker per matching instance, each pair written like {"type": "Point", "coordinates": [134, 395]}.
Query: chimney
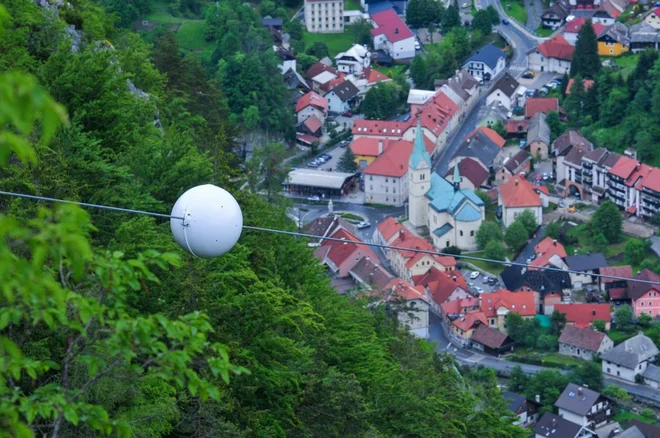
{"type": "Point", "coordinates": [454, 278]}
{"type": "Point", "coordinates": [380, 147]}
{"type": "Point", "coordinates": [554, 423]}
{"type": "Point", "coordinates": [516, 181]}
{"type": "Point", "coordinates": [396, 31]}
{"type": "Point", "coordinates": [580, 391]}
{"type": "Point", "coordinates": [554, 242]}
{"type": "Point", "coordinates": [401, 231]}
{"type": "Point", "coordinates": [537, 399]}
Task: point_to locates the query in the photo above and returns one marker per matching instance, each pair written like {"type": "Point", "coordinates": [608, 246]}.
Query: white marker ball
{"type": "Point", "coordinates": [212, 221]}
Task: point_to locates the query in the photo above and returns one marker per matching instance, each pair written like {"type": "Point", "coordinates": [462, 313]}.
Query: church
{"type": "Point", "coordinates": [452, 215]}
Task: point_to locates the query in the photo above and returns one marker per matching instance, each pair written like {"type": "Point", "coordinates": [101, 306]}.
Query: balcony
{"type": "Point", "coordinates": [586, 171]}
{"type": "Point", "coordinates": [587, 165]}
{"type": "Point", "coordinates": [651, 193]}
{"type": "Point", "coordinates": [616, 186]}
{"type": "Point", "coordinates": [616, 195]}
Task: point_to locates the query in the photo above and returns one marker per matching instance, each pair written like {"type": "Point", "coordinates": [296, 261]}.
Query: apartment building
{"type": "Point", "coordinates": [324, 16]}
{"type": "Point", "coordinates": [595, 169]}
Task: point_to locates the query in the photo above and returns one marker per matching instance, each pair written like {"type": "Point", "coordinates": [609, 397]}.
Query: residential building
{"type": "Point", "coordinates": [496, 305]}
{"type": "Point", "coordinates": [548, 286]}
{"type": "Point", "coordinates": [615, 7]}
{"type": "Point", "coordinates": [537, 105]}
{"type": "Point", "coordinates": [311, 126]}
{"type": "Point", "coordinates": [515, 166]}
{"type": "Point", "coordinates": [507, 92]}
{"type": "Point", "coordinates": [341, 257]}
{"type": "Point", "coordinates": [551, 425]}
{"type": "Point", "coordinates": [460, 322]}
{"type": "Point", "coordinates": [320, 75]}
{"type": "Point", "coordinates": [555, 15]}
{"type": "Point", "coordinates": [583, 315]}
{"type": "Point", "coordinates": [442, 286]}
{"type": "Point", "coordinates": [415, 315]}
{"type": "Point", "coordinates": [341, 97]}
{"type": "Point", "coordinates": [538, 136]}
{"type": "Point", "coordinates": [601, 16]}
{"type": "Point", "coordinates": [493, 114]}
{"type": "Point", "coordinates": [587, 265]}
{"type": "Point", "coordinates": [649, 196]}
{"type": "Point", "coordinates": [548, 252]}
{"type": "Point", "coordinates": [386, 233]}
{"type": "Point", "coordinates": [645, 297]}
{"type": "Point", "coordinates": [483, 145]}
{"type": "Point", "coordinates": [652, 18]}
{"type": "Point", "coordinates": [385, 129]}
{"type": "Point", "coordinates": [630, 358]}
{"type": "Point", "coordinates": [568, 163]}
{"type": "Point", "coordinates": [584, 4]}
{"type": "Point", "coordinates": [554, 55]}
{"type": "Point", "coordinates": [623, 179]}
{"type": "Point", "coordinates": [392, 35]}
{"type": "Point", "coordinates": [324, 16]}
{"type": "Point", "coordinates": [644, 36]}
{"type": "Point", "coordinates": [517, 195]}
{"type": "Point", "coordinates": [652, 376]}
{"type": "Point", "coordinates": [369, 274]}
{"type": "Point", "coordinates": [354, 60]}
{"type": "Point", "coordinates": [311, 104]}
{"type": "Point", "coordinates": [367, 149]}
{"type": "Point", "coordinates": [583, 343]}
{"type": "Point", "coordinates": [573, 27]}
{"type": "Point", "coordinates": [327, 225]}
{"type": "Point", "coordinates": [463, 84]}
{"type": "Point", "coordinates": [595, 173]}
{"type": "Point", "coordinates": [614, 40]}
{"type": "Point", "coordinates": [526, 410]}
{"type": "Point", "coordinates": [486, 63]}
{"type": "Point", "coordinates": [616, 289]}
{"type": "Point", "coordinates": [517, 128]}
{"type": "Point", "coordinates": [491, 341]}
{"type": "Point", "coordinates": [473, 174]}
{"type": "Point", "coordinates": [583, 406]}
{"type": "Point", "coordinates": [649, 430]}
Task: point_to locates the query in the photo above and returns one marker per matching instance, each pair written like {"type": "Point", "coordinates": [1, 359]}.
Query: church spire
{"type": "Point", "coordinates": [419, 152]}
{"type": "Point", "coordinates": [457, 178]}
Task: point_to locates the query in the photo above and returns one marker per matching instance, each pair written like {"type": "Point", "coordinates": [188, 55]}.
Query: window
{"type": "Point", "coordinates": [371, 187]}
{"type": "Point", "coordinates": [371, 177]}
{"type": "Point", "coordinates": [387, 190]}
{"type": "Point", "coordinates": [448, 245]}
{"type": "Point", "coordinates": [387, 199]}
{"type": "Point", "coordinates": [461, 232]}
{"type": "Point", "coordinates": [386, 180]}
{"type": "Point", "coordinates": [472, 233]}
{"type": "Point", "coordinates": [394, 190]}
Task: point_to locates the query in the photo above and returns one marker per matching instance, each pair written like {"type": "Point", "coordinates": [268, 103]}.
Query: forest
{"type": "Point", "coordinates": [107, 327]}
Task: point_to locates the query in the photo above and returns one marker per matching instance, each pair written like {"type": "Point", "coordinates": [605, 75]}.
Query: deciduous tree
{"type": "Point", "coordinates": [495, 250]}
{"type": "Point", "coordinates": [607, 220]}
{"type": "Point", "coordinates": [528, 219]}
{"type": "Point", "coordinates": [516, 235]}
{"type": "Point", "coordinates": [488, 231]}
{"type": "Point", "coordinates": [623, 317]}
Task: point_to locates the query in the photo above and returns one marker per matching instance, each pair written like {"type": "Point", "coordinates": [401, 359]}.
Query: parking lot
{"type": "Point", "coordinates": [540, 80]}
{"type": "Point", "coordinates": [477, 285]}
{"type": "Point", "coordinates": [331, 163]}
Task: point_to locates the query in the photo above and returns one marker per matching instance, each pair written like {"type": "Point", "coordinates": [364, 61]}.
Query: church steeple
{"type": "Point", "coordinates": [457, 178]}
{"type": "Point", "coordinates": [419, 153]}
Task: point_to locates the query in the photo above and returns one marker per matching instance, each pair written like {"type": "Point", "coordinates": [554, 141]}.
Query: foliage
{"type": "Point", "coordinates": [635, 251]}
{"type": "Point", "coordinates": [589, 374]}
{"type": "Point", "coordinates": [553, 230]}
{"type": "Point", "coordinates": [557, 322]}
{"type": "Point", "coordinates": [423, 13]}
{"type": "Point", "coordinates": [482, 21]}
{"type": "Point", "coordinates": [518, 380]}
{"type": "Point", "coordinates": [265, 172]}
{"type": "Point", "coordinates": [548, 384]}
{"type": "Point", "coordinates": [644, 320]}
{"type": "Point", "coordinates": [623, 317]}
{"type": "Point", "coordinates": [318, 50]}
{"type": "Point", "coordinates": [491, 205]}
{"type": "Point", "coordinates": [488, 231]}
{"type": "Point", "coordinates": [557, 127]}
{"type": "Point", "coordinates": [608, 222]}
{"type": "Point", "coordinates": [451, 18]}
{"type": "Point", "coordinates": [599, 325]}
{"type": "Point", "coordinates": [495, 250]}
{"type": "Point", "coordinates": [500, 128]}
{"type": "Point", "coordinates": [382, 101]}
{"type": "Point", "coordinates": [528, 219]}
{"type": "Point", "coordinates": [616, 392]}
{"type": "Point", "coordinates": [347, 161]}
{"type": "Point", "coordinates": [585, 58]}
{"type": "Point", "coordinates": [516, 235]}
{"type": "Point", "coordinates": [362, 32]}
{"type": "Point", "coordinates": [494, 15]}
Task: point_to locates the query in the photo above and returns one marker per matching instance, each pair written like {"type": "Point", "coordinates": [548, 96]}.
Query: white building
{"type": "Point", "coordinates": [311, 104]}
{"type": "Point", "coordinates": [583, 406]}
{"type": "Point", "coordinates": [652, 376]}
{"type": "Point", "coordinates": [486, 63]}
{"type": "Point", "coordinates": [554, 55]}
{"type": "Point", "coordinates": [324, 16]}
{"type": "Point", "coordinates": [652, 18]}
{"type": "Point", "coordinates": [517, 195]}
{"type": "Point", "coordinates": [354, 60]}
{"type": "Point", "coordinates": [630, 358]}
{"type": "Point", "coordinates": [508, 93]}
{"type": "Point", "coordinates": [341, 97]}
{"type": "Point", "coordinates": [583, 343]}
{"type": "Point", "coordinates": [392, 35]}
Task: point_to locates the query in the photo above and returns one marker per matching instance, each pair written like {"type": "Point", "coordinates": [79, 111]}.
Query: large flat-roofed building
{"type": "Point", "coordinates": [312, 182]}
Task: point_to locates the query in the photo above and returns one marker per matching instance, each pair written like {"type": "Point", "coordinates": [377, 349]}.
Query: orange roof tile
{"type": "Point", "coordinates": [518, 302]}
{"type": "Point", "coordinates": [384, 128]}
{"type": "Point", "coordinates": [469, 320]}
{"type": "Point", "coordinates": [638, 175]}
{"type": "Point", "coordinates": [313, 124]}
{"type": "Point", "coordinates": [583, 314]}
{"type": "Point", "coordinates": [339, 251]}
{"type": "Point", "coordinates": [587, 84]}
{"type": "Point", "coordinates": [518, 192]}
{"type": "Point", "coordinates": [540, 105]}
{"type": "Point", "coordinates": [575, 25]}
{"type": "Point", "coordinates": [374, 76]}
{"type": "Point", "coordinates": [407, 240]}
{"type": "Point", "coordinates": [368, 146]}
{"type": "Point", "coordinates": [405, 290]}
{"type": "Point", "coordinates": [460, 306]}
{"type": "Point", "coordinates": [389, 227]}
{"type": "Point", "coordinates": [545, 250]}
{"type": "Point", "coordinates": [436, 113]}
{"type": "Point", "coordinates": [394, 161]}
{"type": "Point", "coordinates": [652, 180]}
{"type": "Point", "coordinates": [624, 167]}
{"type": "Point", "coordinates": [491, 134]}
{"type": "Point", "coordinates": [617, 271]}
{"type": "Point", "coordinates": [313, 99]}
{"type": "Point", "coordinates": [440, 284]}
{"type": "Point", "coordinates": [557, 47]}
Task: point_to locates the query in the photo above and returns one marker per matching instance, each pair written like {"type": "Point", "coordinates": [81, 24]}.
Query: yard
{"type": "Point", "coordinates": [491, 268]}
{"type": "Point", "coordinates": [352, 5]}
{"type": "Point", "coordinates": [392, 71]}
{"type": "Point", "coordinates": [336, 42]}
{"type": "Point", "coordinates": [585, 243]}
{"type": "Point", "coordinates": [543, 32]}
{"type": "Point", "coordinates": [623, 417]}
{"type": "Point", "coordinates": [554, 360]}
{"type": "Point", "coordinates": [516, 10]}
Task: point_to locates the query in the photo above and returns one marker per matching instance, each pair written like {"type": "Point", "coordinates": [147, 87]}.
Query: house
{"type": "Point", "coordinates": [595, 171]}
{"type": "Point", "coordinates": [327, 225]}
{"type": "Point", "coordinates": [652, 18]}
{"type": "Point", "coordinates": [516, 128]}
{"type": "Point", "coordinates": [588, 265]}
{"type": "Point", "coordinates": [548, 286]}
{"type": "Point", "coordinates": [341, 97]}
{"type": "Point", "coordinates": [452, 214]}
{"type": "Point", "coordinates": [644, 36]}
{"type": "Point", "coordinates": [548, 252]}
{"type": "Point", "coordinates": [517, 195]}
{"type": "Point", "coordinates": [537, 105]}
{"type": "Point", "coordinates": [538, 136]}
{"type": "Point", "coordinates": [324, 16]}
{"type": "Point", "coordinates": [496, 305]}
{"type": "Point", "coordinates": [649, 430]}
{"type": "Point", "coordinates": [442, 286]}
{"type": "Point", "coordinates": [583, 315]}
{"type": "Point", "coordinates": [367, 149]}
{"type": "Point", "coordinates": [310, 126]}
{"type": "Point", "coordinates": [459, 322]}
{"type": "Point", "coordinates": [385, 129]}
{"type": "Point", "coordinates": [583, 343]}
{"type": "Point", "coordinates": [492, 115]}
{"type": "Point", "coordinates": [473, 174]}
{"type": "Point", "coordinates": [486, 63]}
{"type": "Point", "coordinates": [652, 376]}
{"type": "Point", "coordinates": [615, 7]}
{"type": "Point", "coordinates": [491, 341]}
{"type": "Point", "coordinates": [630, 358]}
{"type": "Point", "coordinates": [369, 274]}
{"type": "Point", "coordinates": [311, 104]}
{"type": "Point", "coordinates": [415, 314]}
{"type": "Point", "coordinates": [294, 81]}
{"type": "Point", "coordinates": [341, 257]}
{"type": "Point", "coordinates": [463, 84]}
{"type": "Point", "coordinates": [573, 27]}
{"type": "Point", "coordinates": [587, 84]}
{"type": "Point", "coordinates": [386, 233]}
{"type": "Point", "coordinates": [354, 60]}
{"type": "Point", "coordinates": [526, 410]}
{"type": "Point", "coordinates": [601, 16]}
{"type": "Point", "coordinates": [583, 406]}
{"type": "Point", "coordinates": [554, 55]}
{"type": "Point", "coordinates": [483, 145]}
{"type": "Point", "coordinates": [555, 15]}
{"type": "Point", "coordinates": [320, 75]}
{"type": "Point", "coordinates": [518, 164]}
{"type": "Point", "coordinates": [616, 289]}
{"type": "Point", "coordinates": [614, 40]}
{"type": "Point", "coordinates": [507, 92]}
{"type": "Point", "coordinates": [551, 425]}
{"type": "Point", "coordinates": [392, 35]}
{"type": "Point", "coordinates": [408, 262]}
{"type": "Point", "coordinates": [569, 150]}
{"type": "Point", "coordinates": [645, 297]}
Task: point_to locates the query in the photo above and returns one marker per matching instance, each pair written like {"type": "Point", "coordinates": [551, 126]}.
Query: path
{"type": "Point", "coordinates": [631, 228]}
{"type": "Point", "coordinates": [534, 11]}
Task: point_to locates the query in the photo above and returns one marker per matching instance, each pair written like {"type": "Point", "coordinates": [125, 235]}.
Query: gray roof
{"type": "Point", "coordinates": [644, 33]}
{"type": "Point", "coordinates": [479, 146]}
{"type": "Point", "coordinates": [559, 9]}
{"type": "Point", "coordinates": [586, 262]}
{"type": "Point", "coordinates": [652, 373]}
{"type": "Point", "coordinates": [649, 430]}
{"type": "Point", "coordinates": [538, 129]}
{"type": "Point", "coordinates": [577, 399]}
{"type": "Point", "coordinates": [569, 139]}
{"type": "Point", "coordinates": [515, 400]}
{"type": "Point", "coordinates": [559, 428]}
{"type": "Point", "coordinates": [631, 432]}
{"type": "Point", "coordinates": [488, 54]}
{"type": "Point", "coordinates": [632, 352]}
{"type": "Point", "coordinates": [346, 91]}
{"type": "Point", "coordinates": [513, 163]}
{"type": "Point", "coordinates": [506, 84]}
{"type": "Point", "coordinates": [618, 32]}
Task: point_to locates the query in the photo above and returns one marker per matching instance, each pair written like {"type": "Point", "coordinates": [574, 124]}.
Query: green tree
{"type": "Point", "coordinates": [347, 161]}
{"type": "Point", "coordinates": [548, 385]}
{"type": "Point", "coordinates": [362, 32]}
{"type": "Point", "coordinates": [557, 322]}
{"type": "Point", "coordinates": [482, 21]}
{"type": "Point", "coordinates": [553, 230]}
{"type": "Point", "coordinates": [304, 62]}
{"type": "Point", "coordinates": [494, 15]}
{"type": "Point", "coordinates": [607, 220]}
{"type": "Point", "coordinates": [450, 19]}
{"type": "Point", "coordinates": [318, 50]}
{"type": "Point", "coordinates": [295, 29]}
{"type": "Point", "coordinates": [616, 392]}
{"type": "Point", "coordinates": [518, 380]}
{"type": "Point", "coordinates": [419, 72]}
{"type": "Point", "coordinates": [585, 58]}
{"type": "Point", "coordinates": [528, 219]}
{"type": "Point", "coordinates": [599, 242]}
{"type": "Point", "coordinates": [380, 102]}
{"type": "Point", "coordinates": [635, 251]}
{"type": "Point", "coordinates": [589, 374]}
{"type": "Point", "coordinates": [495, 250]}
{"type": "Point", "coordinates": [591, 106]}
{"type": "Point", "coordinates": [266, 172]}
{"type": "Point", "coordinates": [488, 231]}
{"type": "Point", "coordinates": [644, 320]}
{"type": "Point", "coordinates": [574, 102]}
{"type": "Point", "coordinates": [500, 128]}
{"type": "Point", "coordinates": [600, 325]}
{"type": "Point", "coordinates": [623, 317]}
{"type": "Point", "coordinates": [516, 235]}
{"type": "Point", "coordinates": [487, 200]}
{"type": "Point", "coordinates": [557, 127]}
{"type": "Point", "coordinates": [564, 84]}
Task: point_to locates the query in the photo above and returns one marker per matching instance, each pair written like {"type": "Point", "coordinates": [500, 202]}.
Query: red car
{"type": "Point", "coordinates": [347, 114]}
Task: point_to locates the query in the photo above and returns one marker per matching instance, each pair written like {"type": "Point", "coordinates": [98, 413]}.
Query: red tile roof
{"type": "Point", "coordinates": [489, 336]}
{"type": "Point", "coordinates": [380, 127]}
{"type": "Point", "coordinates": [545, 250]}
{"type": "Point", "coordinates": [407, 240]}
{"type": "Point", "coordinates": [516, 126]}
{"type": "Point", "coordinates": [440, 284]}
{"type": "Point", "coordinates": [472, 170]}
{"type": "Point", "coordinates": [636, 290]}
{"type": "Point", "coordinates": [624, 168]}
{"type": "Point", "coordinates": [638, 175]}
{"type": "Point", "coordinates": [583, 338]}
{"type": "Point", "coordinates": [405, 290]}
{"type": "Point", "coordinates": [436, 113]}
{"type": "Point", "coordinates": [459, 306]}
{"type": "Point", "coordinates": [491, 134]}
{"type": "Point", "coordinates": [368, 146]}
{"type": "Point", "coordinates": [313, 124]}
{"type": "Point", "coordinates": [339, 252]}
{"type": "Point", "coordinates": [518, 302]}
{"type": "Point", "coordinates": [390, 25]}
{"type": "Point", "coordinates": [610, 9]}
{"type": "Point", "coordinates": [313, 99]}
{"type": "Point", "coordinates": [652, 179]}
{"type": "Point", "coordinates": [587, 84]}
{"type": "Point", "coordinates": [469, 319]}
{"type": "Point", "coordinates": [583, 314]}
{"type": "Point", "coordinates": [319, 68]}
{"type": "Point", "coordinates": [389, 227]}
{"type": "Point", "coordinates": [307, 138]}
{"type": "Point", "coordinates": [617, 271]}
{"type": "Point", "coordinates": [619, 293]}
{"type": "Point", "coordinates": [332, 83]}
{"type": "Point", "coordinates": [518, 192]}
{"type": "Point", "coordinates": [575, 25]}
{"type": "Point", "coordinates": [394, 161]}
{"type": "Point", "coordinates": [557, 47]}
{"type": "Point", "coordinates": [541, 105]}
{"type": "Point", "coordinates": [374, 76]}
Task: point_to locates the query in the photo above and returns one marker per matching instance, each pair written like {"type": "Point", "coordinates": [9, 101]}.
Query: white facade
{"type": "Point", "coordinates": [324, 16]}
{"type": "Point", "coordinates": [653, 19]}
{"type": "Point", "coordinates": [622, 372]}
{"type": "Point", "coordinates": [404, 49]}
{"type": "Point", "coordinates": [419, 182]}
{"type": "Point", "coordinates": [335, 104]}
{"type": "Point", "coordinates": [508, 102]}
{"type": "Point", "coordinates": [479, 68]}
{"type": "Point", "coordinates": [573, 418]}
{"type": "Point", "coordinates": [509, 215]}
{"type": "Point", "coordinates": [571, 350]}
{"type": "Point", "coordinates": [308, 112]}
{"type": "Point", "coordinates": [387, 190]}
{"type": "Point", "coordinates": [354, 60]}
{"type": "Point", "coordinates": [463, 234]}
{"type": "Point", "coordinates": [537, 62]}
{"type": "Point", "coordinates": [417, 320]}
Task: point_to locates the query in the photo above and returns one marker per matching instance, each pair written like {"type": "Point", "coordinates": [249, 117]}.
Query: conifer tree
{"type": "Point", "coordinates": [585, 58]}
{"type": "Point", "coordinates": [347, 161]}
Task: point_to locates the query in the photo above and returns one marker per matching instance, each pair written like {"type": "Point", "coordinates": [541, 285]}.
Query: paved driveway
{"type": "Point", "coordinates": [539, 81]}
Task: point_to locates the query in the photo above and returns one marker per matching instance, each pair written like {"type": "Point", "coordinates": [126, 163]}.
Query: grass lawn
{"type": "Point", "coordinates": [495, 269]}
{"type": "Point", "coordinates": [337, 42]}
{"type": "Point", "coordinates": [554, 360]}
{"type": "Point", "coordinates": [584, 244]}
{"type": "Point", "coordinates": [619, 336]}
{"type": "Point", "coordinates": [543, 32]}
{"type": "Point", "coordinates": [352, 5]}
{"type": "Point", "coordinates": [391, 71]}
{"type": "Point", "coordinates": [190, 33]}
{"type": "Point", "coordinates": [352, 217]}
{"type": "Point", "coordinates": [517, 11]}
{"type": "Point", "coordinates": [624, 416]}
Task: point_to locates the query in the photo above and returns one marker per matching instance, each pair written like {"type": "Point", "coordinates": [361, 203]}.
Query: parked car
{"type": "Point", "coordinates": [545, 176]}
{"type": "Point", "coordinates": [492, 281]}
{"type": "Point", "coordinates": [417, 45]}
{"type": "Point", "coordinates": [479, 290]}
{"type": "Point", "coordinates": [505, 21]}
{"type": "Point", "coordinates": [343, 144]}
{"type": "Point", "coordinates": [347, 114]}
{"type": "Point", "coordinates": [528, 75]}
{"type": "Point", "coordinates": [363, 225]}
{"type": "Point", "coordinates": [486, 279]}
{"type": "Point", "coordinates": [474, 275]}
{"type": "Point", "coordinates": [561, 203]}
{"type": "Point", "coordinates": [314, 199]}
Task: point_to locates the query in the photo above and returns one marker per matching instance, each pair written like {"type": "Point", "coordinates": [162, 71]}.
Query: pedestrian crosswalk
{"type": "Point", "coordinates": [516, 70]}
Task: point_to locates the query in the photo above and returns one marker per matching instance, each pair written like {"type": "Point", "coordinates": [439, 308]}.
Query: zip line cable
{"type": "Point", "coordinates": [334, 239]}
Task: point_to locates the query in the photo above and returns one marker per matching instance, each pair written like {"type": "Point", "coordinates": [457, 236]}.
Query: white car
{"type": "Point", "coordinates": [314, 199]}
{"type": "Point", "coordinates": [479, 290]}
{"type": "Point", "coordinates": [474, 275]}
{"type": "Point", "coordinates": [363, 225]}
{"type": "Point", "coordinates": [417, 45]}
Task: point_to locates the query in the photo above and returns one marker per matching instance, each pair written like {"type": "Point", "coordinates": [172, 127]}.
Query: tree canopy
{"type": "Point", "coordinates": [585, 58]}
